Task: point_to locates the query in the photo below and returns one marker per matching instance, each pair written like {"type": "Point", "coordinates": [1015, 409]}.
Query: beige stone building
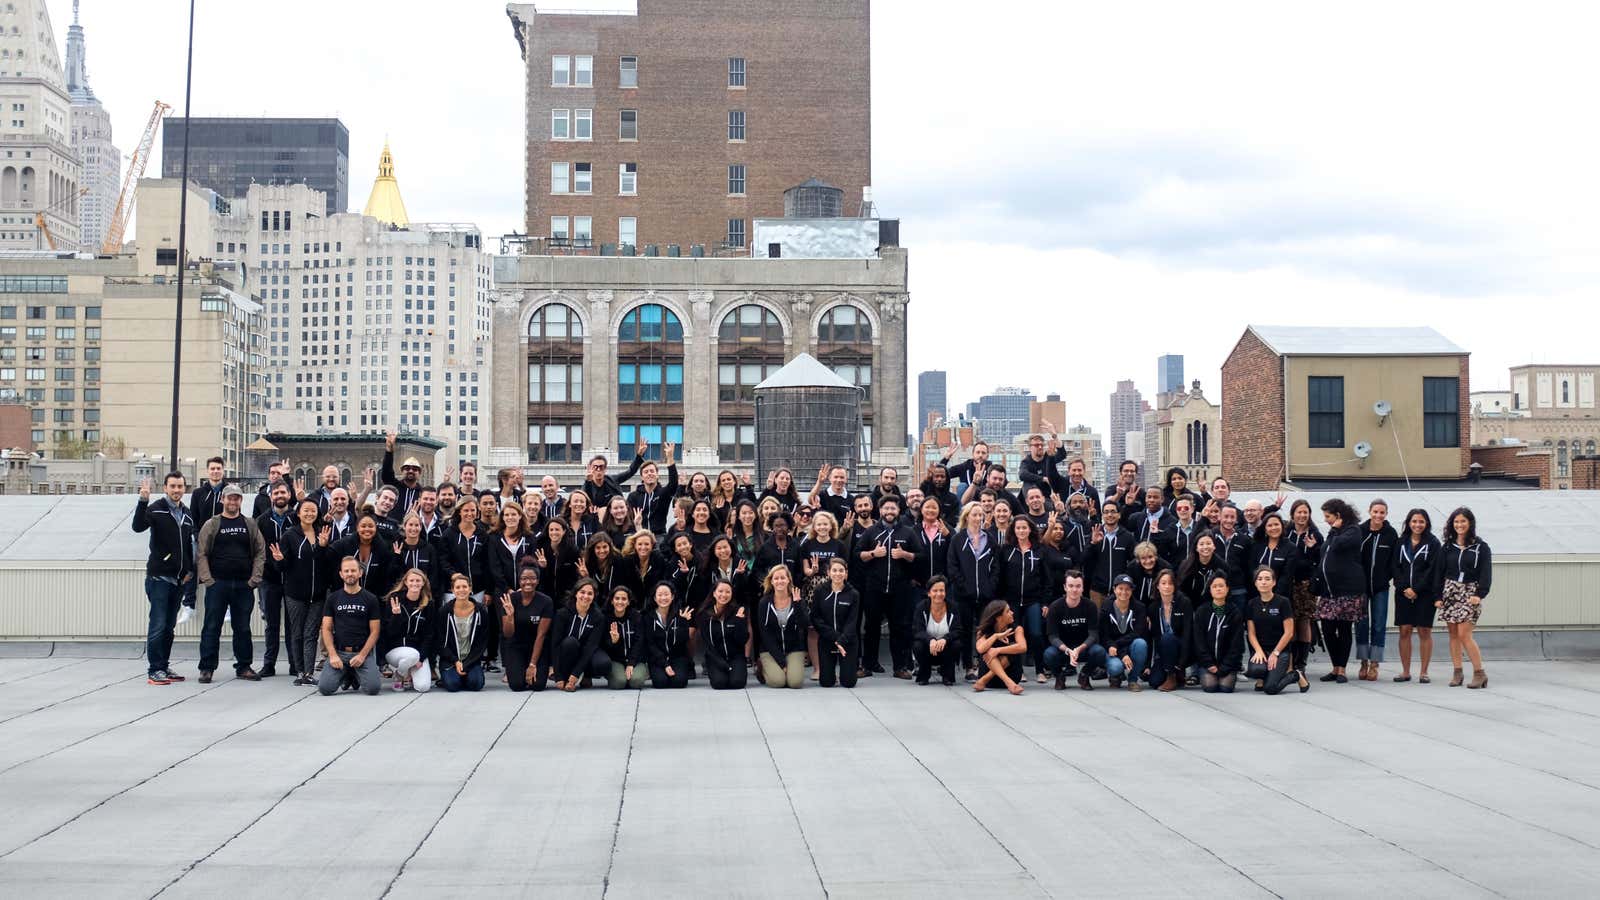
{"type": "Point", "coordinates": [1551, 407]}
{"type": "Point", "coordinates": [39, 167]}
{"type": "Point", "coordinates": [1184, 430]}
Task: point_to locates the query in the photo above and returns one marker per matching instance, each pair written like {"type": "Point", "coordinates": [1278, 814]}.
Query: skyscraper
{"type": "Point", "coordinates": [930, 397]}
{"type": "Point", "coordinates": [101, 161]}
{"type": "Point", "coordinates": [1127, 408]}
{"type": "Point", "coordinates": [1169, 373]}
{"type": "Point", "coordinates": [228, 155]}
{"type": "Point", "coordinates": [1003, 415]}
{"type": "Point", "coordinates": [39, 170]}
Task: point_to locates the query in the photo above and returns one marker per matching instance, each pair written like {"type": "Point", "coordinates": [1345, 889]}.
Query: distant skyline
{"type": "Point", "coordinates": [1156, 178]}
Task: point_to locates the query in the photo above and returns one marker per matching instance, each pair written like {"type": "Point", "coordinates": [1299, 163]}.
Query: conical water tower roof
{"type": "Point", "coordinates": [804, 371]}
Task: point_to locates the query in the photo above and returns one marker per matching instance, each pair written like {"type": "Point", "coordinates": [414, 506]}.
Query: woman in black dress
{"type": "Point", "coordinates": [1416, 588]}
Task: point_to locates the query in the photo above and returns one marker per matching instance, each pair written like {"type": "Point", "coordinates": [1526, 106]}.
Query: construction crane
{"type": "Point", "coordinates": [136, 164]}
{"type": "Point", "coordinates": [42, 228]}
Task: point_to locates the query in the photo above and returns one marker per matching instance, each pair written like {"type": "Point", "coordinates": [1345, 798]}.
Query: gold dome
{"type": "Point", "coordinates": [384, 203]}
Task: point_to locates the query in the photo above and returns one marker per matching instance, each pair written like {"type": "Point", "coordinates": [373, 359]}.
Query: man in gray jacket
{"type": "Point", "coordinates": [231, 557]}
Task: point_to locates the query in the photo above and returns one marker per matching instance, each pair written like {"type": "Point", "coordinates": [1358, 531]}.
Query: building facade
{"type": "Point", "coordinates": [682, 122]}
{"type": "Point", "coordinates": [1551, 407]}
{"type": "Point", "coordinates": [1300, 405]}
{"type": "Point", "coordinates": [1049, 414]}
{"type": "Point", "coordinates": [659, 349]}
{"type": "Point", "coordinates": [99, 158]}
{"type": "Point", "coordinates": [1169, 373]}
{"type": "Point", "coordinates": [1183, 430]}
{"type": "Point", "coordinates": [1003, 416]}
{"type": "Point", "coordinates": [931, 398]}
{"type": "Point", "coordinates": [1127, 413]}
{"type": "Point", "coordinates": [39, 169]}
{"type": "Point", "coordinates": [228, 155]}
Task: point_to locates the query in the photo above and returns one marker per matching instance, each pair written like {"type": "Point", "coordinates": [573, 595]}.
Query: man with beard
{"type": "Point", "coordinates": [888, 485]}
{"type": "Point", "coordinates": [937, 486]}
{"type": "Point", "coordinates": [231, 557]}
{"type": "Point", "coordinates": [409, 484]}
{"type": "Point", "coordinates": [273, 525]}
{"type": "Point", "coordinates": [350, 626]}
{"type": "Point", "coordinates": [1078, 484]}
{"type": "Point", "coordinates": [446, 502]}
{"type": "Point", "coordinates": [1110, 553]}
{"type": "Point", "coordinates": [386, 508]}
{"type": "Point", "coordinates": [972, 471]}
{"type": "Point", "coordinates": [1127, 493]}
{"type": "Point", "coordinates": [1038, 468]}
{"type": "Point", "coordinates": [277, 473]}
{"type": "Point", "coordinates": [887, 551]}
{"type": "Point", "coordinates": [433, 524]}
{"type": "Point", "coordinates": [1154, 521]}
{"type": "Point", "coordinates": [996, 482]}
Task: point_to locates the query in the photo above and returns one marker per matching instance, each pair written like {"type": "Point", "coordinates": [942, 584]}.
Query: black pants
{"type": "Point", "coordinates": [1339, 638]}
{"type": "Point", "coordinates": [731, 677]}
{"type": "Point", "coordinates": [568, 664]}
{"type": "Point", "coordinates": [874, 606]}
{"type": "Point", "coordinates": [964, 625]}
{"type": "Point", "coordinates": [946, 661]}
{"type": "Point", "coordinates": [272, 620]}
{"type": "Point", "coordinates": [901, 606]}
{"type": "Point", "coordinates": [1282, 675]}
{"type": "Point", "coordinates": [493, 652]}
{"type": "Point", "coordinates": [832, 667]}
{"type": "Point", "coordinates": [679, 677]}
{"type": "Point", "coordinates": [516, 663]}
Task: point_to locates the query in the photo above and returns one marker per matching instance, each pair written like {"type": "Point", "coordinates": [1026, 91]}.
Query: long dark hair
{"type": "Point", "coordinates": [591, 560]}
{"type": "Point", "coordinates": [991, 615]}
{"type": "Point", "coordinates": [1450, 526]}
{"type": "Point", "coordinates": [1347, 514]}
{"type": "Point", "coordinates": [708, 565]}
{"type": "Point", "coordinates": [1191, 563]}
{"type": "Point", "coordinates": [1427, 523]}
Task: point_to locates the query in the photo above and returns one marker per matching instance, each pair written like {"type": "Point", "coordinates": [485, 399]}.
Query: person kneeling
{"type": "Point", "coordinates": [667, 640]}
{"type": "Point", "coordinates": [936, 642]}
{"type": "Point", "coordinates": [1122, 631]}
{"type": "Point", "coordinates": [1001, 645]}
{"type": "Point", "coordinates": [1271, 627]}
{"type": "Point", "coordinates": [1218, 639]}
{"type": "Point", "coordinates": [349, 632]}
{"type": "Point", "coordinates": [409, 632]}
{"type": "Point", "coordinates": [783, 631]}
{"type": "Point", "coordinates": [466, 640]}
{"type": "Point", "coordinates": [836, 616]}
{"type": "Point", "coordinates": [1073, 628]}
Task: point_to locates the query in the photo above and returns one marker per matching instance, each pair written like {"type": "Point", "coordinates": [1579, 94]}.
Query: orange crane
{"type": "Point", "coordinates": [42, 229]}
{"type": "Point", "coordinates": [118, 225]}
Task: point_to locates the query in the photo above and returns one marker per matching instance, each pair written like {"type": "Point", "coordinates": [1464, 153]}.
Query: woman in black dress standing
{"type": "Point", "coordinates": [1416, 588]}
{"type": "Point", "coordinates": [1341, 601]}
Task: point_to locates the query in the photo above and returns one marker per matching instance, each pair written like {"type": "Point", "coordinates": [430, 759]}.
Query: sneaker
{"type": "Point", "coordinates": [398, 686]}
{"type": "Point", "coordinates": [490, 666]}
{"type": "Point", "coordinates": [1136, 686]}
{"type": "Point", "coordinates": [1331, 676]}
{"type": "Point", "coordinates": [205, 677]}
{"type": "Point", "coordinates": [157, 678]}
{"type": "Point", "coordinates": [972, 675]}
{"type": "Point", "coordinates": [248, 675]}
{"type": "Point", "coordinates": [173, 676]}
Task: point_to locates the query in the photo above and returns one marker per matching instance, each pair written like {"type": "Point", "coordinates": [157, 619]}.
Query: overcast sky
{"type": "Point", "coordinates": [1082, 186]}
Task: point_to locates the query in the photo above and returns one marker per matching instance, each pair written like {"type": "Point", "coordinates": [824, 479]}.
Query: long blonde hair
{"type": "Point", "coordinates": [427, 588]}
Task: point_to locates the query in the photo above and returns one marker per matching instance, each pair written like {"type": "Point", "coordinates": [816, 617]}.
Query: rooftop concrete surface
{"type": "Point", "coordinates": [113, 788]}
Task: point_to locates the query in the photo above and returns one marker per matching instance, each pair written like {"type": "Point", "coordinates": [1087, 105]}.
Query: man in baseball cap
{"type": "Point", "coordinates": [231, 557]}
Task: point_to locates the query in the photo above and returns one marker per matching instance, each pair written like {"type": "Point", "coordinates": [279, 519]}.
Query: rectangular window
{"type": "Point", "coordinates": [735, 233]}
{"type": "Point", "coordinates": [66, 312]}
{"type": "Point", "coordinates": [628, 72]}
{"type": "Point", "coordinates": [628, 179]}
{"type": "Point", "coordinates": [560, 71]}
{"type": "Point", "coordinates": [92, 333]}
{"type": "Point", "coordinates": [736, 72]}
{"type": "Point", "coordinates": [735, 124]}
{"type": "Point", "coordinates": [583, 178]}
{"type": "Point", "coordinates": [65, 374]}
{"type": "Point", "coordinates": [627, 231]}
{"type": "Point", "coordinates": [35, 332]}
{"type": "Point", "coordinates": [66, 333]}
{"type": "Point", "coordinates": [560, 124]}
{"type": "Point", "coordinates": [555, 443]}
{"type": "Point", "coordinates": [736, 443]}
{"type": "Point", "coordinates": [628, 125]}
{"type": "Point", "coordinates": [1441, 423]}
{"type": "Point", "coordinates": [736, 179]}
{"type": "Point", "coordinates": [558, 178]}
{"type": "Point", "coordinates": [558, 228]}
{"type": "Point", "coordinates": [66, 395]}
{"type": "Point", "coordinates": [583, 124]}
{"type": "Point", "coordinates": [8, 312]}
{"type": "Point", "coordinates": [630, 435]}
{"type": "Point", "coordinates": [1325, 411]}
{"type": "Point", "coordinates": [582, 230]}
{"type": "Point", "coordinates": [583, 71]}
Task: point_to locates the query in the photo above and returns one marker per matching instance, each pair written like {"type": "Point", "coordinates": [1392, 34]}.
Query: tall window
{"type": "Point", "coordinates": [844, 325]}
{"type": "Point", "coordinates": [1441, 423]}
{"type": "Point", "coordinates": [560, 124]}
{"type": "Point", "coordinates": [844, 345]}
{"type": "Point", "coordinates": [582, 178]}
{"type": "Point", "coordinates": [736, 72]}
{"type": "Point", "coordinates": [736, 179]}
{"type": "Point", "coordinates": [628, 72]}
{"type": "Point", "coordinates": [583, 71]}
{"type": "Point", "coordinates": [583, 124]}
{"type": "Point", "coordinates": [649, 383]}
{"type": "Point", "coordinates": [560, 71]}
{"type": "Point", "coordinates": [628, 125]}
{"type": "Point", "coordinates": [558, 229]}
{"type": "Point", "coordinates": [558, 178]}
{"type": "Point", "coordinates": [735, 124]}
{"type": "Point", "coordinates": [555, 442]}
{"type": "Point", "coordinates": [627, 231]}
{"type": "Point", "coordinates": [649, 376]}
{"type": "Point", "coordinates": [1325, 410]}
{"type": "Point", "coordinates": [629, 434]}
{"type": "Point", "coordinates": [628, 178]}
{"type": "Point", "coordinates": [582, 230]}
{"type": "Point", "coordinates": [555, 384]}
{"type": "Point", "coordinates": [735, 233]}
{"type": "Point", "coordinates": [736, 443]}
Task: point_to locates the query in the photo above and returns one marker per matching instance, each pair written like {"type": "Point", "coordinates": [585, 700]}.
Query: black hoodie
{"type": "Point", "coordinates": [974, 577]}
{"type": "Point", "coordinates": [723, 637]}
{"type": "Point", "coordinates": [469, 557]}
{"type": "Point", "coordinates": [922, 617]}
{"type": "Point", "coordinates": [1219, 637]}
{"type": "Point", "coordinates": [666, 643]}
{"type": "Point", "coordinates": [304, 566]}
{"type": "Point", "coordinates": [836, 615]}
{"type": "Point", "coordinates": [172, 531]}
{"type": "Point", "coordinates": [1470, 565]}
{"type": "Point", "coordinates": [1343, 573]}
{"type": "Point", "coordinates": [656, 504]}
{"type": "Point", "coordinates": [1182, 621]}
{"type": "Point", "coordinates": [1377, 555]}
{"type": "Point", "coordinates": [628, 648]}
{"type": "Point", "coordinates": [1119, 631]}
{"type": "Point", "coordinates": [417, 628]}
{"type": "Point", "coordinates": [1419, 567]}
{"type": "Point", "coordinates": [782, 638]}
{"type": "Point", "coordinates": [449, 653]}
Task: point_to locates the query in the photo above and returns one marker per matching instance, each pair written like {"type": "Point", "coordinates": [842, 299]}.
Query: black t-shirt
{"type": "Point", "coordinates": [1270, 620]}
{"type": "Point", "coordinates": [230, 553]}
{"type": "Point", "coordinates": [1071, 625]}
{"type": "Point", "coordinates": [528, 617]}
{"type": "Point", "coordinates": [352, 617]}
{"type": "Point", "coordinates": [821, 552]}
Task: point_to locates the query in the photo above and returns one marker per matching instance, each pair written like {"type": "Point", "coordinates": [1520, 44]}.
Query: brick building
{"type": "Point", "coordinates": [1298, 406]}
{"type": "Point", "coordinates": [1552, 407]}
{"type": "Point", "coordinates": [684, 121]}
{"type": "Point", "coordinates": [1184, 430]}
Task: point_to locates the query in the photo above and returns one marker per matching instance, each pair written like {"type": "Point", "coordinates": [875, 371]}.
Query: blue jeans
{"type": "Point", "coordinates": [1088, 660]}
{"type": "Point", "coordinates": [233, 599]}
{"type": "Point", "coordinates": [165, 598]}
{"type": "Point", "coordinates": [1372, 632]}
{"type": "Point", "coordinates": [1140, 653]}
{"type": "Point", "coordinates": [1033, 627]}
{"type": "Point", "coordinates": [453, 682]}
{"type": "Point", "coordinates": [1165, 660]}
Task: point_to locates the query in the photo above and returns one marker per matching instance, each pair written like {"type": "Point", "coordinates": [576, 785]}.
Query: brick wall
{"type": "Point", "coordinates": [1252, 416]}
{"type": "Point", "coordinates": [1521, 461]}
{"type": "Point", "coordinates": [1586, 473]}
{"type": "Point", "coordinates": [1464, 412]}
{"type": "Point", "coordinates": [16, 427]}
{"type": "Point", "coordinates": [806, 100]}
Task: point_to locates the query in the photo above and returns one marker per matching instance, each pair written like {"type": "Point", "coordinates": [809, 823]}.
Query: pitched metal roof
{"type": "Point", "coordinates": [804, 371]}
{"type": "Point", "coordinates": [1312, 340]}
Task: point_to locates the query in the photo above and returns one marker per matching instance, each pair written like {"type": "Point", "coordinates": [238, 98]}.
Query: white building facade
{"type": "Point", "coordinates": [99, 158]}
{"type": "Point", "coordinates": [39, 169]}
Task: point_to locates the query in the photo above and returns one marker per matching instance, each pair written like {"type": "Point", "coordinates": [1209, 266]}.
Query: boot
{"type": "Point", "coordinates": [1171, 684]}
{"type": "Point", "coordinates": [1456, 679]}
{"type": "Point", "coordinates": [1083, 682]}
{"type": "Point", "coordinates": [1061, 680]}
{"type": "Point", "coordinates": [1480, 679]}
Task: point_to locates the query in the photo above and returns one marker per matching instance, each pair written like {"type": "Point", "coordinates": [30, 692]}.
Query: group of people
{"type": "Point", "coordinates": [665, 582]}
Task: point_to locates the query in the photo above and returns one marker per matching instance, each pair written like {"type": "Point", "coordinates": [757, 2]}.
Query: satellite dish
{"type": "Point", "coordinates": [1382, 408]}
{"type": "Point", "coordinates": [1363, 450]}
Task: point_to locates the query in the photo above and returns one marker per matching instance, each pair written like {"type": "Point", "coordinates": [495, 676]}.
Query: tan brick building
{"type": "Point", "coordinates": [1551, 407]}
{"type": "Point", "coordinates": [1298, 406]}
{"type": "Point", "coordinates": [683, 122]}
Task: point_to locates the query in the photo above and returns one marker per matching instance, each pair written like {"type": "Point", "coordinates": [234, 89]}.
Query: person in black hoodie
{"type": "Point", "coordinates": [170, 567]}
{"type": "Point", "coordinates": [555, 552]}
{"type": "Point", "coordinates": [1194, 576]}
{"type": "Point", "coordinates": [725, 629]}
{"type": "Point", "coordinates": [466, 548]}
{"type": "Point", "coordinates": [836, 619]}
{"type": "Point", "coordinates": [409, 485]}
{"type": "Point", "coordinates": [667, 628]}
{"type": "Point", "coordinates": [526, 615]}
{"type": "Point", "coordinates": [642, 568]}
{"type": "Point", "coordinates": [1123, 634]}
{"type": "Point", "coordinates": [1178, 542]}
{"type": "Point", "coordinates": [1029, 573]}
{"type": "Point", "coordinates": [272, 525]}
{"type": "Point", "coordinates": [888, 554]}
{"type": "Point", "coordinates": [1465, 569]}
{"type": "Point", "coordinates": [1153, 522]}
{"type": "Point", "coordinates": [1038, 467]}
{"type": "Point", "coordinates": [1072, 628]}
{"type": "Point", "coordinates": [974, 572]}
{"type": "Point", "coordinates": [936, 634]}
{"type": "Point", "coordinates": [623, 641]}
{"type": "Point", "coordinates": [1416, 587]}
{"type": "Point", "coordinates": [652, 500]}
{"type": "Point", "coordinates": [579, 626]}
{"type": "Point", "coordinates": [783, 623]}
{"type": "Point", "coordinates": [1146, 566]}
{"type": "Point", "coordinates": [1218, 639]}
{"type": "Point", "coordinates": [1168, 620]}
{"type": "Point", "coordinates": [1341, 599]}
{"type": "Point", "coordinates": [1305, 537]}
{"type": "Point", "coordinates": [375, 556]}
{"type": "Point", "coordinates": [301, 554]}
{"type": "Point", "coordinates": [415, 551]}
{"type": "Point", "coordinates": [602, 487]}
{"type": "Point", "coordinates": [1378, 544]}
{"type": "Point", "coordinates": [937, 487]}
{"type": "Point", "coordinates": [463, 640]}
{"type": "Point", "coordinates": [1110, 551]}
{"type": "Point", "coordinates": [351, 622]}
{"type": "Point", "coordinates": [410, 632]}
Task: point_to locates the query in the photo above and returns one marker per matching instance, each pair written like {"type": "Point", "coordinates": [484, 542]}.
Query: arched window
{"type": "Point", "coordinates": [649, 324]}
{"type": "Point", "coordinates": [1205, 444]}
{"type": "Point", "coordinates": [649, 379]}
{"type": "Point", "coordinates": [844, 344]}
{"type": "Point", "coordinates": [1566, 391]}
{"type": "Point", "coordinates": [844, 324]}
{"type": "Point", "coordinates": [555, 385]}
{"type": "Point", "coordinates": [750, 347]}
{"type": "Point", "coordinates": [1588, 449]}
